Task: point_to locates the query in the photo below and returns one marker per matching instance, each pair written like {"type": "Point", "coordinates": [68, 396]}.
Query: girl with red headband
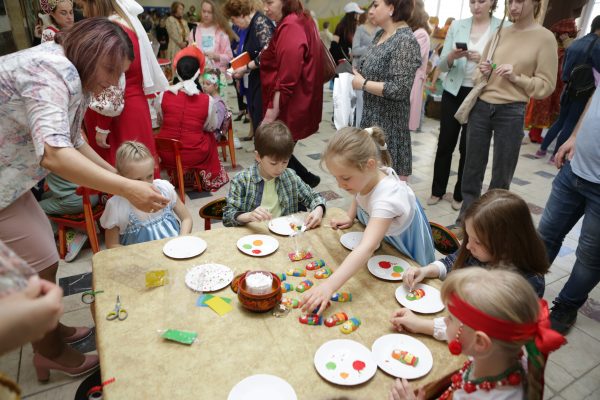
{"type": "Point", "coordinates": [497, 321]}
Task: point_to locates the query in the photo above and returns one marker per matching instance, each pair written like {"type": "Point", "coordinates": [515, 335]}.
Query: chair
{"type": "Point", "coordinates": [176, 174]}
{"type": "Point", "coordinates": [444, 240]}
{"type": "Point", "coordinates": [212, 210]}
{"type": "Point", "coordinates": [224, 143]}
{"type": "Point", "coordinates": [86, 220]}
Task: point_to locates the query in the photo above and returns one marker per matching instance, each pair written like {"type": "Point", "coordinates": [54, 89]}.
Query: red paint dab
{"type": "Point", "coordinates": [385, 264]}
{"type": "Point", "coordinates": [358, 365]}
{"type": "Point", "coordinates": [256, 251]}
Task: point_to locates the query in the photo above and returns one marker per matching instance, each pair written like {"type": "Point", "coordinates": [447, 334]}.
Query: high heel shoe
{"type": "Point", "coordinates": [43, 366]}
{"type": "Point", "coordinates": [81, 332]}
{"type": "Point", "coordinates": [241, 115]}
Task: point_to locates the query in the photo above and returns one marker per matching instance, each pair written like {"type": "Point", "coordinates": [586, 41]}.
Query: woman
{"type": "Point", "coordinates": [212, 35]}
{"type": "Point", "coordinates": [291, 74]}
{"type": "Point", "coordinates": [386, 77]}
{"type": "Point", "coordinates": [419, 23]}
{"type": "Point", "coordinates": [362, 40]}
{"type": "Point", "coordinates": [461, 66]}
{"type": "Point", "coordinates": [343, 36]}
{"type": "Point", "coordinates": [49, 86]}
{"type": "Point", "coordinates": [144, 77]}
{"type": "Point", "coordinates": [178, 30]}
{"type": "Point", "coordinates": [61, 15]}
{"type": "Point", "coordinates": [246, 15]}
{"type": "Point", "coordinates": [514, 77]}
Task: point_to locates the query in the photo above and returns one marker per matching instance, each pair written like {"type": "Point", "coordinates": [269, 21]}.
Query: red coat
{"type": "Point", "coordinates": [292, 64]}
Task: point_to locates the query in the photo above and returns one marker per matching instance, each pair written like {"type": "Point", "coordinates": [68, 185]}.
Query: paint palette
{"type": "Point", "coordinates": [184, 247]}
{"type": "Point", "coordinates": [387, 267]}
{"type": "Point", "coordinates": [262, 387]}
{"type": "Point", "coordinates": [423, 299]}
{"type": "Point", "coordinates": [351, 239]}
{"type": "Point", "coordinates": [287, 226]}
{"type": "Point", "coordinates": [386, 348]}
{"type": "Point", "coordinates": [257, 245]}
{"type": "Point", "coordinates": [345, 362]}
{"type": "Point", "coordinates": [208, 277]}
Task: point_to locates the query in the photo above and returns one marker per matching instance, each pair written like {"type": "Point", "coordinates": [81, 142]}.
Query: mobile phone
{"type": "Point", "coordinates": [461, 45]}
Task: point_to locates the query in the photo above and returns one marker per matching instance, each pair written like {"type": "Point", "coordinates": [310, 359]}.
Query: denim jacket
{"type": "Point", "coordinates": [575, 54]}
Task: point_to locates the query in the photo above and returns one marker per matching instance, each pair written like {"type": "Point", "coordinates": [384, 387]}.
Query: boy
{"type": "Point", "coordinates": [269, 189]}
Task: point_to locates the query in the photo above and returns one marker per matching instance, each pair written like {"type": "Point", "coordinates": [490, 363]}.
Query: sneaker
{"type": "Point", "coordinates": [551, 160]}
{"type": "Point", "coordinates": [75, 242]}
{"type": "Point", "coordinates": [540, 153]}
{"type": "Point", "coordinates": [312, 180]}
{"type": "Point", "coordinates": [433, 200]}
{"type": "Point", "coordinates": [236, 143]}
{"type": "Point", "coordinates": [456, 205]}
{"type": "Point", "coordinates": [562, 317]}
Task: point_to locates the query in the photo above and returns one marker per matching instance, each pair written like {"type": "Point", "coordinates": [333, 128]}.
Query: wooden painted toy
{"type": "Point", "coordinates": [405, 357]}
{"type": "Point", "coordinates": [415, 294]}
{"type": "Point", "coordinates": [311, 266]}
{"type": "Point", "coordinates": [304, 286]}
{"type": "Point", "coordinates": [282, 276]}
{"type": "Point", "coordinates": [341, 297]}
{"type": "Point", "coordinates": [316, 310]}
{"type": "Point", "coordinates": [290, 303]}
{"type": "Point", "coordinates": [350, 326]}
{"type": "Point", "coordinates": [286, 287]}
{"type": "Point", "coordinates": [310, 319]}
{"type": "Point", "coordinates": [336, 319]}
{"type": "Point", "coordinates": [296, 272]}
{"type": "Point", "coordinates": [323, 273]}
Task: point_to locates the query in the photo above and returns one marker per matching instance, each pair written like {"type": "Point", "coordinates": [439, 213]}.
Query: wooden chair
{"type": "Point", "coordinates": [176, 174]}
{"type": "Point", "coordinates": [212, 210]}
{"type": "Point", "coordinates": [85, 220]}
{"type": "Point", "coordinates": [444, 240]}
{"type": "Point", "coordinates": [228, 142]}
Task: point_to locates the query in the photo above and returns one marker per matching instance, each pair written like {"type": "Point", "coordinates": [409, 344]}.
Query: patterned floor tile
{"type": "Point", "coordinates": [565, 251]}
{"type": "Point", "coordinates": [330, 195]}
{"type": "Point", "coordinates": [535, 209]}
{"type": "Point", "coordinates": [316, 156]}
{"type": "Point", "coordinates": [453, 173]}
{"type": "Point", "coordinates": [545, 174]}
{"type": "Point", "coordinates": [520, 182]}
{"type": "Point", "coordinates": [530, 156]}
{"type": "Point", "coordinates": [591, 309]}
{"type": "Point", "coordinates": [75, 283]}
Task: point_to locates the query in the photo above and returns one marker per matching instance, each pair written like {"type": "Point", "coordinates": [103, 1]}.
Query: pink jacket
{"type": "Point", "coordinates": [222, 46]}
{"type": "Point", "coordinates": [416, 94]}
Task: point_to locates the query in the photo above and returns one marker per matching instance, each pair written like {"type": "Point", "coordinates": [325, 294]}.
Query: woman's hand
{"type": "Point", "coordinates": [358, 80]}
{"type": "Point", "coordinates": [402, 390]}
{"type": "Point", "coordinates": [144, 196]}
{"type": "Point", "coordinates": [413, 276]}
{"type": "Point", "coordinates": [317, 297]}
{"type": "Point", "coordinates": [341, 223]}
{"type": "Point", "coordinates": [213, 56]}
{"type": "Point", "coordinates": [239, 73]}
{"type": "Point", "coordinates": [101, 139]}
{"type": "Point", "coordinates": [485, 67]}
{"type": "Point", "coordinates": [314, 218]}
{"type": "Point", "coordinates": [506, 71]}
{"type": "Point", "coordinates": [455, 54]}
{"type": "Point", "coordinates": [270, 116]}
{"type": "Point", "coordinates": [474, 56]}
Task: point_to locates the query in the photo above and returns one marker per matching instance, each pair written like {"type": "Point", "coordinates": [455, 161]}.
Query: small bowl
{"type": "Point", "coordinates": [259, 302]}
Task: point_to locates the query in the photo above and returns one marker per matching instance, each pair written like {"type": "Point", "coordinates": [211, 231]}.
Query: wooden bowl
{"type": "Point", "coordinates": [259, 302]}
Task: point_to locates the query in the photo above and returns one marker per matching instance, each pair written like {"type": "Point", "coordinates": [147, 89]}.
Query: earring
{"type": "Point", "coordinates": [391, 14]}
{"type": "Point", "coordinates": [455, 346]}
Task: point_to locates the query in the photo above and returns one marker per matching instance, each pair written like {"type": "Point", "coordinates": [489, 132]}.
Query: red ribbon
{"type": "Point", "coordinates": [546, 339]}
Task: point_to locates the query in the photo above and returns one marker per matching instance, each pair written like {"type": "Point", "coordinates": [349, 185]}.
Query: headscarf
{"type": "Point", "coordinates": [48, 6]}
{"type": "Point", "coordinates": [188, 86]}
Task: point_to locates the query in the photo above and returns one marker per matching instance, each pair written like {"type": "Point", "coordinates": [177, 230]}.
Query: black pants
{"type": "Point", "coordinates": [450, 129]}
{"type": "Point", "coordinates": [308, 177]}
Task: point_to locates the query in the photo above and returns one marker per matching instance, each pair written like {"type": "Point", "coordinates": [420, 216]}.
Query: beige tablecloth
{"type": "Point", "coordinates": [240, 343]}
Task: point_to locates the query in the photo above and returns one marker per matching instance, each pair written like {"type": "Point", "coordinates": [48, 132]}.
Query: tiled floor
{"type": "Point", "coordinates": [573, 372]}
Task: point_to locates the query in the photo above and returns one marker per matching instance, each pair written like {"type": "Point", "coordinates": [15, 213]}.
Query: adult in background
{"type": "Point", "coordinates": [177, 29]}
{"type": "Point", "coordinates": [386, 77]}
{"type": "Point", "coordinates": [61, 16]}
{"type": "Point", "coordinates": [461, 68]}
{"type": "Point", "coordinates": [419, 23]}
{"type": "Point", "coordinates": [524, 65]}
{"type": "Point", "coordinates": [291, 74]}
{"type": "Point", "coordinates": [247, 14]}
{"type": "Point", "coordinates": [48, 89]}
{"type": "Point", "coordinates": [343, 35]}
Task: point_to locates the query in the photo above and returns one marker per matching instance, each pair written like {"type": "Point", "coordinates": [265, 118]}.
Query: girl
{"type": "Point", "coordinates": [124, 223]}
{"type": "Point", "coordinates": [212, 85]}
{"type": "Point", "coordinates": [61, 15]}
{"type": "Point", "coordinates": [491, 238]}
{"type": "Point", "coordinates": [492, 315]}
{"type": "Point", "coordinates": [384, 203]}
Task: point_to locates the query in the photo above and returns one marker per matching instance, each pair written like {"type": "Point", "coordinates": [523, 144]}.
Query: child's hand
{"type": "Point", "coordinates": [402, 390]}
{"type": "Point", "coordinates": [413, 276]}
{"type": "Point", "coordinates": [316, 297]}
{"type": "Point", "coordinates": [314, 218]}
{"type": "Point", "coordinates": [404, 320]}
{"type": "Point", "coordinates": [341, 223]}
{"type": "Point", "coordinates": [101, 139]}
{"type": "Point", "coordinates": [260, 214]}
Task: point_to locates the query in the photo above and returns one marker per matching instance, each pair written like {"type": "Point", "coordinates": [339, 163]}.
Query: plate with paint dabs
{"type": "Point", "coordinates": [258, 245]}
{"type": "Point", "coordinates": [345, 362]}
{"type": "Point", "coordinates": [387, 267]}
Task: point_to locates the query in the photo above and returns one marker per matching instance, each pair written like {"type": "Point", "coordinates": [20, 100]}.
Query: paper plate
{"type": "Point", "coordinates": [345, 362]}
{"type": "Point", "coordinates": [430, 303]}
{"type": "Point", "coordinates": [262, 387]}
{"type": "Point", "coordinates": [387, 267]}
{"type": "Point", "coordinates": [208, 277]}
{"type": "Point", "coordinates": [184, 247]}
{"type": "Point", "coordinates": [281, 225]}
{"type": "Point", "coordinates": [257, 245]}
{"type": "Point", "coordinates": [384, 347]}
{"type": "Point", "coordinates": [351, 240]}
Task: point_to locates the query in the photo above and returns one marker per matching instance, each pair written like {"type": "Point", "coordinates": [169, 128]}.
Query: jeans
{"type": "Point", "coordinates": [570, 199]}
{"type": "Point", "coordinates": [570, 111]}
{"type": "Point", "coordinates": [505, 123]}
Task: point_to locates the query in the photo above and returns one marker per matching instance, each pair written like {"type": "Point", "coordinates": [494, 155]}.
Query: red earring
{"type": "Point", "coordinates": [455, 346]}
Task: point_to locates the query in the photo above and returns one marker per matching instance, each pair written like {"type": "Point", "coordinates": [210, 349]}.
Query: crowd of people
{"type": "Point", "coordinates": [77, 114]}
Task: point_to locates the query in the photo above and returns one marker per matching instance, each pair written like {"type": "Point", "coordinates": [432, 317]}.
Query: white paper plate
{"type": "Point", "coordinates": [208, 277]}
{"type": "Point", "coordinates": [258, 245]}
{"type": "Point", "coordinates": [281, 225]}
{"type": "Point", "coordinates": [382, 352]}
{"type": "Point", "coordinates": [387, 267]}
{"type": "Point", "coordinates": [351, 239]}
{"type": "Point", "coordinates": [428, 304]}
{"type": "Point", "coordinates": [262, 387]}
{"type": "Point", "coordinates": [184, 247]}
{"type": "Point", "coordinates": [345, 362]}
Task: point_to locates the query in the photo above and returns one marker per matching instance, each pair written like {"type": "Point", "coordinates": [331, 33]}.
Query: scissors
{"type": "Point", "coordinates": [118, 313]}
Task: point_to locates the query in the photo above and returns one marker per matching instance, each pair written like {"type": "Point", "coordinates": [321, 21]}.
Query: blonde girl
{"type": "Point", "coordinates": [493, 314]}
{"type": "Point", "coordinates": [359, 161]}
{"type": "Point", "coordinates": [124, 223]}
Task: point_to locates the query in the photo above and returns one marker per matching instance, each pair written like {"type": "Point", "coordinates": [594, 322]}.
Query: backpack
{"type": "Point", "coordinates": [581, 83]}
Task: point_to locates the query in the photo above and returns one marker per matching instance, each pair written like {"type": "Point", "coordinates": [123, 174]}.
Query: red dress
{"type": "Point", "coordinates": [134, 122]}
{"type": "Point", "coordinates": [183, 119]}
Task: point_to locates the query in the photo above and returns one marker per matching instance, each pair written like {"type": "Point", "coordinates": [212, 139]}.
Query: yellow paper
{"type": "Point", "coordinates": [219, 305]}
{"type": "Point", "coordinates": [156, 278]}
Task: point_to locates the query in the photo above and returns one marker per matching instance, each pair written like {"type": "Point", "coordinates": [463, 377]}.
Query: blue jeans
{"type": "Point", "coordinates": [570, 111]}
{"type": "Point", "coordinates": [570, 199]}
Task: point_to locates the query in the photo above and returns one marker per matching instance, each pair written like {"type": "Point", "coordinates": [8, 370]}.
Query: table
{"type": "Point", "coordinates": [240, 343]}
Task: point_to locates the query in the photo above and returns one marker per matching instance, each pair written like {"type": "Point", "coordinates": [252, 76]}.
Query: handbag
{"type": "Point", "coordinates": [328, 63]}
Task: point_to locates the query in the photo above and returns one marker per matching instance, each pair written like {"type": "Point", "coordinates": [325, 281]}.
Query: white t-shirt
{"type": "Point", "coordinates": [471, 66]}
{"type": "Point", "coordinates": [206, 38]}
{"type": "Point", "coordinates": [116, 212]}
{"type": "Point", "coordinates": [390, 198]}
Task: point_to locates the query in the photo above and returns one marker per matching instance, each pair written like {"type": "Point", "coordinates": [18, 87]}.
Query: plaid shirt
{"type": "Point", "coordinates": [245, 194]}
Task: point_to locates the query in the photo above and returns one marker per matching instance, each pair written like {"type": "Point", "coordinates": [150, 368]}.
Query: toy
{"type": "Point", "coordinates": [311, 319]}
{"type": "Point", "coordinates": [304, 286]}
{"type": "Point", "coordinates": [341, 297]}
{"type": "Point", "coordinates": [296, 228]}
{"type": "Point", "coordinates": [415, 294]}
{"type": "Point", "coordinates": [296, 272]}
{"type": "Point", "coordinates": [336, 319]}
{"type": "Point", "coordinates": [282, 276]}
{"type": "Point", "coordinates": [323, 273]}
{"type": "Point", "coordinates": [350, 326]}
{"type": "Point", "coordinates": [286, 287]}
{"type": "Point", "coordinates": [299, 255]}
{"type": "Point", "coordinates": [405, 357]}
{"type": "Point", "coordinates": [315, 265]}
{"type": "Point", "coordinates": [290, 303]}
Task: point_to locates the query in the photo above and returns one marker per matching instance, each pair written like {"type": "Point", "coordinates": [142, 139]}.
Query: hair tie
{"type": "Point", "coordinates": [384, 147]}
{"type": "Point", "coordinates": [369, 131]}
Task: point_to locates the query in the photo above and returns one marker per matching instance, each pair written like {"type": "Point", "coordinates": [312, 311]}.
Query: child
{"type": "Point", "coordinates": [269, 189]}
{"type": "Point", "coordinates": [384, 203]}
{"type": "Point", "coordinates": [493, 314]}
{"type": "Point", "coordinates": [211, 85]}
{"type": "Point", "coordinates": [126, 224]}
{"type": "Point", "coordinates": [498, 230]}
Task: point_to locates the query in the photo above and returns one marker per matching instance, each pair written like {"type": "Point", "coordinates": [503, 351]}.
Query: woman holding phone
{"type": "Point", "coordinates": [462, 51]}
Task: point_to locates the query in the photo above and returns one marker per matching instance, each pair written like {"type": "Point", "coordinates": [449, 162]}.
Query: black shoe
{"type": "Point", "coordinates": [562, 317]}
{"type": "Point", "coordinates": [246, 119]}
{"type": "Point", "coordinates": [312, 180]}
{"type": "Point", "coordinates": [240, 116]}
